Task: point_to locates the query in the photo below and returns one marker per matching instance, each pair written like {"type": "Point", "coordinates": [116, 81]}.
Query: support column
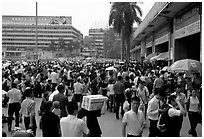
{"type": "Point", "coordinates": [153, 46]}
{"type": "Point", "coordinates": [171, 40]}
{"type": "Point", "coordinates": [143, 50]}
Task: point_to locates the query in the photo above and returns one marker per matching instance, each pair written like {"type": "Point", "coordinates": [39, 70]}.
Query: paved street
{"type": "Point", "coordinates": [110, 126]}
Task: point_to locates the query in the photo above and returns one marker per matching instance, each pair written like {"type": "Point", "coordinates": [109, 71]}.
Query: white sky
{"type": "Point", "coordinates": [85, 14]}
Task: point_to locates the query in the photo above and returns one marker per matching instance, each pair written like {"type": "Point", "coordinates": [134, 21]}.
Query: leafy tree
{"type": "Point", "coordinates": [52, 46]}
{"type": "Point", "coordinates": [122, 16]}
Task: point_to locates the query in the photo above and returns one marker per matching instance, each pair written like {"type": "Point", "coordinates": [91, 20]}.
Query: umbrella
{"type": "Point", "coordinates": [186, 65]}
{"type": "Point", "coordinates": [111, 68]}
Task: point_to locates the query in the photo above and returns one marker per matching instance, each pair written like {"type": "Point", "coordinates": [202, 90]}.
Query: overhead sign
{"type": "Point", "coordinates": [188, 30]}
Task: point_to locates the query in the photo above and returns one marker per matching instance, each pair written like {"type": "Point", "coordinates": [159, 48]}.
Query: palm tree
{"type": "Point", "coordinates": [122, 16]}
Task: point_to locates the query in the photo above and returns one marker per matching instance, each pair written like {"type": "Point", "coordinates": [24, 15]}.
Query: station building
{"type": "Point", "coordinates": [19, 36]}
{"type": "Point", "coordinates": [171, 31]}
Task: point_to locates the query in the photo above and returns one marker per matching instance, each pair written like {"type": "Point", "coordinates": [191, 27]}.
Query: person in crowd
{"type": "Point", "coordinates": [158, 83]}
{"type": "Point", "coordinates": [28, 111]}
{"type": "Point", "coordinates": [197, 80]}
{"type": "Point", "coordinates": [50, 121]}
{"type": "Point", "coordinates": [86, 87]}
{"type": "Point", "coordinates": [119, 89]}
{"type": "Point", "coordinates": [71, 126]}
{"type": "Point", "coordinates": [102, 85]}
{"type": "Point", "coordinates": [194, 112]}
{"type": "Point", "coordinates": [78, 91]}
{"type": "Point", "coordinates": [14, 105]}
{"type": "Point", "coordinates": [173, 123]}
{"type": "Point", "coordinates": [48, 87]}
{"type": "Point", "coordinates": [56, 108]}
{"type": "Point", "coordinates": [6, 85]}
{"type": "Point", "coordinates": [111, 95]}
{"type": "Point", "coordinates": [54, 77]}
{"type": "Point", "coordinates": [183, 101]}
{"type": "Point", "coordinates": [133, 120]}
{"type": "Point", "coordinates": [153, 111]}
{"type": "Point", "coordinates": [38, 87]}
{"type": "Point", "coordinates": [62, 99]}
{"type": "Point", "coordinates": [94, 84]}
{"type": "Point", "coordinates": [143, 94]}
{"type": "Point", "coordinates": [182, 82]}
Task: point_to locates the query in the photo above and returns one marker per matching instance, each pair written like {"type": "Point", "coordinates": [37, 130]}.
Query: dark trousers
{"type": "Point", "coordinates": [120, 99]}
{"type": "Point", "coordinates": [153, 131]}
{"type": "Point", "coordinates": [194, 120]}
{"type": "Point", "coordinates": [13, 108]}
{"type": "Point", "coordinates": [27, 123]}
{"type": "Point", "coordinates": [111, 102]}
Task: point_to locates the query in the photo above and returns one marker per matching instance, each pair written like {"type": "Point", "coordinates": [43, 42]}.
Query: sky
{"type": "Point", "coordinates": [86, 14]}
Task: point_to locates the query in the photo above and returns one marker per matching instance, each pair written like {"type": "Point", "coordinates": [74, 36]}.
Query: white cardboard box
{"type": "Point", "coordinates": [93, 102]}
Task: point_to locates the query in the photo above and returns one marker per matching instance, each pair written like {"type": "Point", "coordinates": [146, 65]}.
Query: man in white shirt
{"type": "Point", "coordinates": [71, 126]}
{"type": "Point", "coordinates": [133, 120]}
{"type": "Point", "coordinates": [54, 77]}
{"type": "Point", "coordinates": [153, 111]}
{"type": "Point", "coordinates": [14, 105]}
{"type": "Point", "coordinates": [78, 90]}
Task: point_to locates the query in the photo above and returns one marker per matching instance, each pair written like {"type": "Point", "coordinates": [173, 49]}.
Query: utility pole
{"type": "Point", "coordinates": [36, 31]}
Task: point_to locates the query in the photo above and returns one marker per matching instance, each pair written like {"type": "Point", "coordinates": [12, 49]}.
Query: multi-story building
{"type": "Point", "coordinates": [19, 35]}
{"type": "Point", "coordinates": [97, 36]}
{"type": "Point", "coordinates": [88, 49]}
{"type": "Point", "coordinates": [172, 31]}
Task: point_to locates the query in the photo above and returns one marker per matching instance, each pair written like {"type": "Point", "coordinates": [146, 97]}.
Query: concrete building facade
{"type": "Point", "coordinates": [19, 34]}
{"type": "Point", "coordinates": [97, 36]}
{"type": "Point", "coordinates": [171, 30]}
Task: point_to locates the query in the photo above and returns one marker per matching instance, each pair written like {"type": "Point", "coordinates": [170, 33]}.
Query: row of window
{"type": "Point", "coordinates": [33, 39]}
{"type": "Point", "coordinates": [30, 28]}
{"type": "Point", "coordinates": [39, 31]}
{"type": "Point", "coordinates": [39, 27]}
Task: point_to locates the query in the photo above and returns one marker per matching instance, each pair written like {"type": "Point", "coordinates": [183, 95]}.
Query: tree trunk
{"type": "Point", "coordinates": [128, 49]}
{"type": "Point", "coordinates": [123, 44]}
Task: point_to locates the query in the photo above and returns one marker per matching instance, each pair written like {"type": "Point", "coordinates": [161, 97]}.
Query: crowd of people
{"type": "Point", "coordinates": [153, 94]}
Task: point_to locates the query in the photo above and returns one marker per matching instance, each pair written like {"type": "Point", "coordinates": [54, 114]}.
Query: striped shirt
{"type": "Point", "coordinates": [28, 107]}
